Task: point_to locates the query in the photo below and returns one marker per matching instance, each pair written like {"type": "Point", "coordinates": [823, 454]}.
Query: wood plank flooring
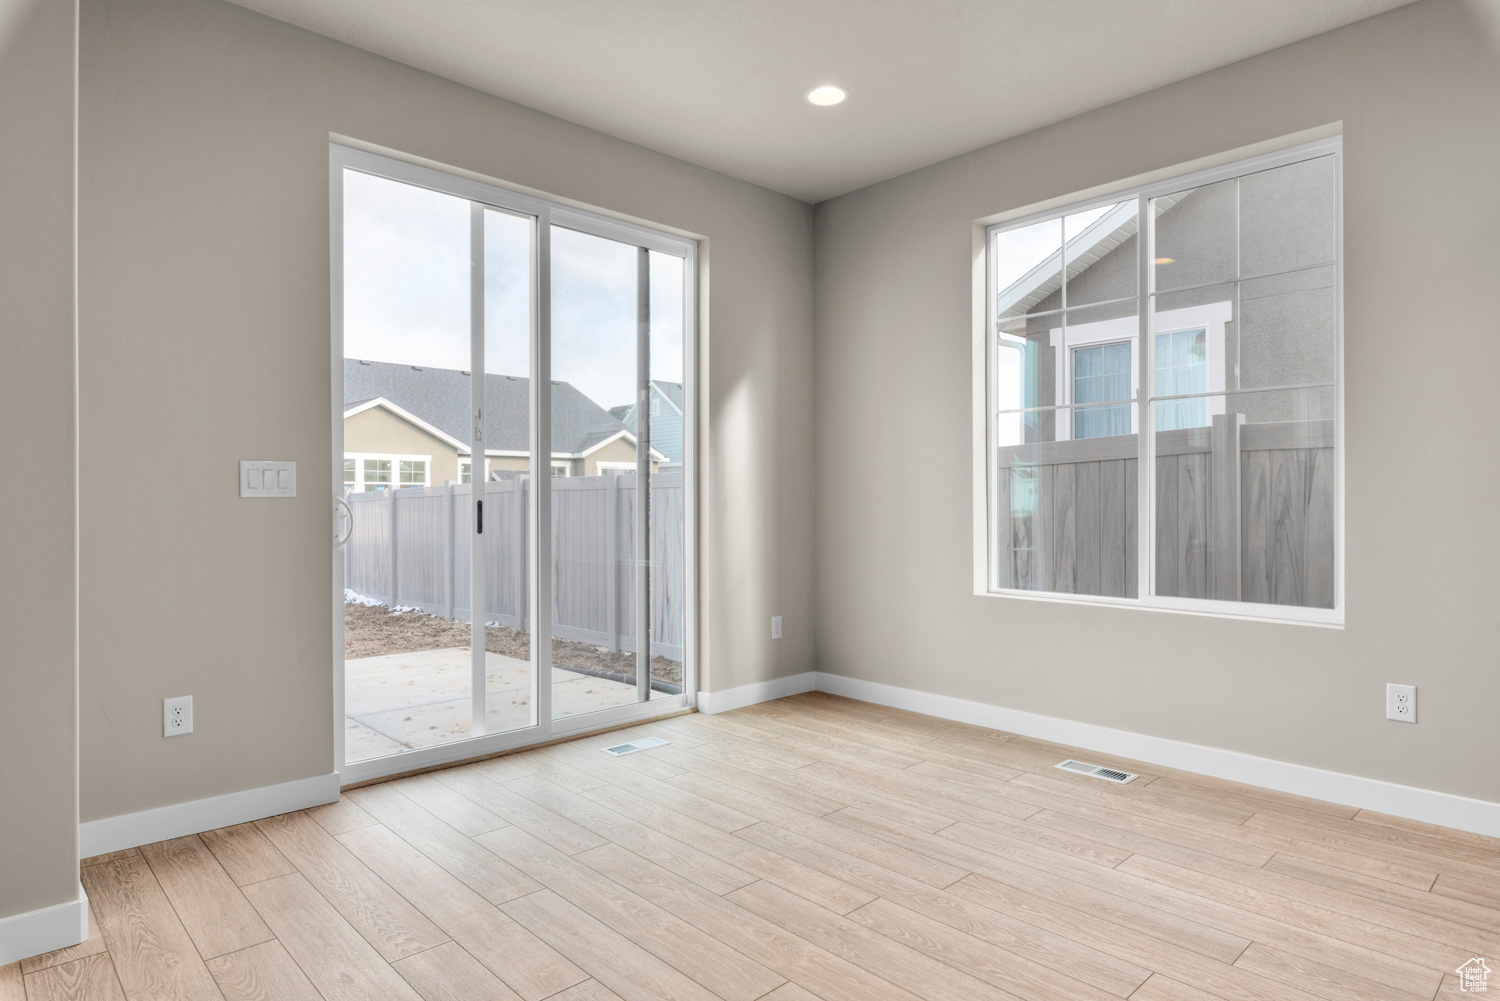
{"type": "Point", "coordinates": [809, 849]}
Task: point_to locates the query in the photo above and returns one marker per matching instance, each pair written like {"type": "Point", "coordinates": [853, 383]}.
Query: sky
{"type": "Point", "coordinates": [406, 292]}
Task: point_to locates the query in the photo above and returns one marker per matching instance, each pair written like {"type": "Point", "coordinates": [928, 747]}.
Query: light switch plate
{"type": "Point", "coordinates": [267, 478]}
{"type": "Point", "coordinates": [776, 627]}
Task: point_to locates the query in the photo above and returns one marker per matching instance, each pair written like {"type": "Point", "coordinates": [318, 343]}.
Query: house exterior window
{"type": "Point", "coordinates": [655, 407]}
{"type": "Point", "coordinates": [377, 474]}
{"type": "Point", "coordinates": [560, 469]}
{"type": "Point", "coordinates": [413, 472]}
{"type": "Point", "coordinates": [1101, 374]}
{"type": "Point", "coordinates": [364, 471]}
{"type": "Point", "coordinates": [1162, 405]}
{"type": "Point", "coordinates": [1182, 369]}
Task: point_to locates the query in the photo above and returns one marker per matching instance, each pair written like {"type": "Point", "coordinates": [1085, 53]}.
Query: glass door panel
{"type": "Point", "coordinates": [408, 618]}
{"type": "Point", "coordinates": [596, 381]}
{"type": "Point", "coordinates": [668, 435]}
{"type": "Point", "coordinates": [506, 472]}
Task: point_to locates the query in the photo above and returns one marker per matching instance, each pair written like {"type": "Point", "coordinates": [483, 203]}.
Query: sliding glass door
{"type": "Point", "coordinates": [513, 406]}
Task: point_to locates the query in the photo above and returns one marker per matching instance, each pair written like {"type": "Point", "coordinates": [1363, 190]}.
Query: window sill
{"type": "Point", "coordinates": [1288, 615]}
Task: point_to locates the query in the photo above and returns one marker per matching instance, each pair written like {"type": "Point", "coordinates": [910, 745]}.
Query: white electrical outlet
{"type": "Point", "coordinates": [776, 627]}
{"type": "Point", "coordinates": [1401, 703]}
{"type": "Point", "coordinates": [177, 716]}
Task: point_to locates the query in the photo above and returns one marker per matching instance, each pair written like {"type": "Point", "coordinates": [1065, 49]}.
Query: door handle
{"type": "Point", "coordinates": [348, 513]}
{"type": "Point", "coordinates": [479, 520]}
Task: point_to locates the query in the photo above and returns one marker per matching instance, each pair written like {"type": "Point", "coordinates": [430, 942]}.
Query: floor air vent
{"type": "Point", "coordinates": [1109, 774]}
{"type": "Point", "coordinates": [644, 744]}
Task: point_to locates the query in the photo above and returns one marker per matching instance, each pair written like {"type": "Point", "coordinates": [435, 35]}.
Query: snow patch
{"type": "Point", "coordinates": [352, 597]}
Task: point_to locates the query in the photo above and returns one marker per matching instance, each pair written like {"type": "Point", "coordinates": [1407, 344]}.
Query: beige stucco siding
{"type": "Point", "coordinates": [619, 450]}
{"type": "Point", "coordinates": [516, 462]}
{"type": "Point", "coordinates": [379, 431]}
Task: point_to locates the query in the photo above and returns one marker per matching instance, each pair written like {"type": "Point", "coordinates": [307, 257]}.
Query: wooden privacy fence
{"type": "Point", "coordinates": [1244, 512]}
{"type": "Point", "coordinates": [411, 548]}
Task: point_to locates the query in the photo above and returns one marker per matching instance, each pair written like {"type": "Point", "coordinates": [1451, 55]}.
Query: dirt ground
{"type": "Point", "coordinates": [372, 630]}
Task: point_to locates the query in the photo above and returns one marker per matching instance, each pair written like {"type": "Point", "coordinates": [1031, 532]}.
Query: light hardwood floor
{"type": "Point", "coordinates": [808, 848]}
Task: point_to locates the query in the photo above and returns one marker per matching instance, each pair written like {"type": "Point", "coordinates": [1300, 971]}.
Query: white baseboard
{"type": "Point", "coordinates": [1460, 812]}
{"type": "Point", "coordinates": [761, 691]}
{"type": "Point", "coordinates": [45, 929]}
{"type": "Point", "coordinates": [131, 830]}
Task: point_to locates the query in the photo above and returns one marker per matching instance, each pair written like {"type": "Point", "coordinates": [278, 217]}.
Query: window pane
{"type": "Point", "coordinates": [1042, 364]}
{"type": "Point", "coordinates": [1288, 217]}
{"type": "Point", "coordinates": [1065, 515]}
{"type": "Point", "coordinates": [1195, 242]}
{"type": "Point", "coordinates": [668, 626]}
{"type": "Point", "coordinates": [1065, 481]}
{"type": "Point", "coordinates": [1289, 332]}
{"type": "Point", "coordinates": [1023, 379]}
{"type": "Point", "coordinates": [407, 271]}
{"type": "Point", "coordinates": [595, 386]}
{"type": "Point", "coordinates": [1101, 254]}
{"type": "Point", "coordinates": [1026, 266]}
{"type": "Point", "coordinates": [1245, 507]}
{"type": "Point", "coordinates": [509, 669]}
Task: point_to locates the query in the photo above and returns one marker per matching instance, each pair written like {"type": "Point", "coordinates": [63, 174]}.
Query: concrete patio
{"type": "Point", "coordinates": [399, 701]}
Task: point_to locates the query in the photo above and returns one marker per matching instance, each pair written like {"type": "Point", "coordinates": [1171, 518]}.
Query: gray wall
{"type": "Point", "coordinates": [38, 608]}
{"type": "Point", "coordinates": [204, 339]}
{"type": "Point", "coordinates": [1416, 90]}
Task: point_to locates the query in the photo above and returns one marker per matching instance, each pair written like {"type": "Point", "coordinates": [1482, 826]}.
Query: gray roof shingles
{"type": "Point", "coordinates": [440, 396]}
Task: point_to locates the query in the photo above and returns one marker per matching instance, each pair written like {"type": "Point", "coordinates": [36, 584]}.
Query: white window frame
{"type": "Point", "coordinates": [1143, 329]}
{"type": "Point", "coordinates": [562, 470]}
{"type": "Point", "coordinates": [395, 459]}
{"type": "Point", "coordinates": [546, 213]}
{"type": "Point", "coordinates": [615, 467]}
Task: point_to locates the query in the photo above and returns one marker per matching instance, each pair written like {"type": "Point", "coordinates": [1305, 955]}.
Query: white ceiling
{"type": "Point", "coordinates": [721, 82]}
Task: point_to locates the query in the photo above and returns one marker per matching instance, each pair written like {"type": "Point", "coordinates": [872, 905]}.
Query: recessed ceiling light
{"type": "Point", "coordinates": [826, 95]}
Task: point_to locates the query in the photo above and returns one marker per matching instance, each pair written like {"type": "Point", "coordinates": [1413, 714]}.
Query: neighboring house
{"type": "Point", "coordinates": [408, 425]}
{"type": "Point", "coordinates": [1286, 331]}
{"type": "Point", "coordinates": [666, 420]}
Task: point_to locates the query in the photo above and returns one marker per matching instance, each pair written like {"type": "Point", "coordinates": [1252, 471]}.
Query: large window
{"type": "Point", "coordinates": [1163, 397]}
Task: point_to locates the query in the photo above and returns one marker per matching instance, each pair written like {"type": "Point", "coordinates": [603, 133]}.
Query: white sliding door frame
{"type": "Point", "coordinates": [544, 215]}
